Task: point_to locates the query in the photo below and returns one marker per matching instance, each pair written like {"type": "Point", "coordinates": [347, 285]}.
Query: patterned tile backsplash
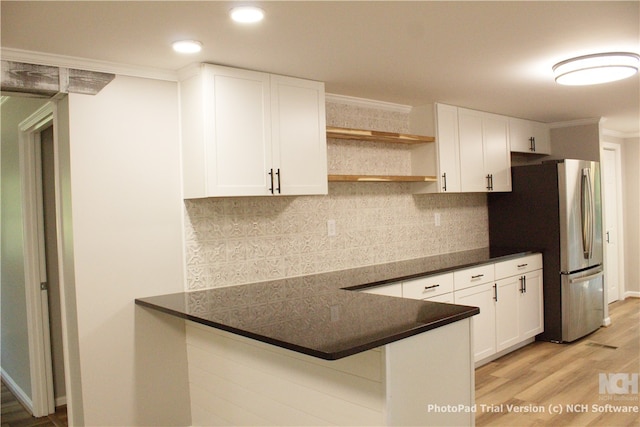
{"type": "Point", "coordinates": [238, 240]}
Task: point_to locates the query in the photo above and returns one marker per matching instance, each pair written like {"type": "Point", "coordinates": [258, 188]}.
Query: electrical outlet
{"type": "Point", "coordinates": [436, 218]}
{"type": "Point", "coordinates": [331, 227]}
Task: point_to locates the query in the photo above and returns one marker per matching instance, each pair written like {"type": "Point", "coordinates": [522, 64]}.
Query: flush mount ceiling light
{"type": "Point", "coordinates": [596, 69]}
{"type": "Point", "coordinates": [187, 46]}
{"type": "Point", "coordinates": [247, 14]}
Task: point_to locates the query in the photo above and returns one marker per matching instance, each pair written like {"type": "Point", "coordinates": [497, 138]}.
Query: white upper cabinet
{"type": "Point", "coordinates": [299, 135]}
{"type": "Point", "coordinates": [448, 148]}
{"type": "Point", "coordinates": [526, 136]}
{"type": "Point", "coordinates": [247, 133]}
{"type": "Point", "coordinates": [485, 163]}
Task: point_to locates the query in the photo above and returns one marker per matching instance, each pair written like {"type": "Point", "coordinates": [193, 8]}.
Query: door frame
{"type": "Point", "coordinates": [617, 149]}
{"type": "Point", "coordinates": [37, 307]}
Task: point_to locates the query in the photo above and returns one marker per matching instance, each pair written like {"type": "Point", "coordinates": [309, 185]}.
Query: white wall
{"type": "Point", "coordinates": [15, 340]}
{"type": "Point", "coordinates": [126, 204]}
{"type": "Point", "coordinates": [580, 141]}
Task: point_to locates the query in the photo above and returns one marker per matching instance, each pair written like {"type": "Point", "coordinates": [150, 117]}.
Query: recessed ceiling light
{"type": "Point", "coordinates": [596, 69]}
{"type": "Point", "coordinates": [247, 14]}
{"type": "Point", "coordinates": [187, 46]}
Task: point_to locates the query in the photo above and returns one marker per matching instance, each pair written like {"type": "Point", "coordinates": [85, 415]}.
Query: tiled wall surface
{"type": "Point", "coordinates": [240, 240]}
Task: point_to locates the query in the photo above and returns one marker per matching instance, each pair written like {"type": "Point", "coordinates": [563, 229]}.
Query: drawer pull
{"type": "Point", "coordinates": [426, 288]}
{"type": "Point", "coordinates": [522, 265]}
{"type": "Point", "coordinates": [477, 276]}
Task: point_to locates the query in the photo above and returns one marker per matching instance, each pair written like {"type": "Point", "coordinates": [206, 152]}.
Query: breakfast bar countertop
{"type": "Point", "coordinates": [320, 315]}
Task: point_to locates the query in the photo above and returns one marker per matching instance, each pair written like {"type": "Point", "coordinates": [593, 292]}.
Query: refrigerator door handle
{"type": "Point", "coordinates": [586, 208]}
{"type": "Point", "coordinates": [587, 278]}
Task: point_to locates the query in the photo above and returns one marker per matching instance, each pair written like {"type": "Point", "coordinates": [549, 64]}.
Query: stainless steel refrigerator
{"type": "Point", "coordinates": [555, 207]}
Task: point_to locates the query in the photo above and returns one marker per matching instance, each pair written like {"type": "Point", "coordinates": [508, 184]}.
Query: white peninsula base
{"type": "Point", "coordinates": [423, 380]}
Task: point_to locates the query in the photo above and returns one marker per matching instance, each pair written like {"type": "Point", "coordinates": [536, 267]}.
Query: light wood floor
{"type": "Point", "coordinates": [551, 376]}
{"type": "Point", "coordinates": [15, 415]}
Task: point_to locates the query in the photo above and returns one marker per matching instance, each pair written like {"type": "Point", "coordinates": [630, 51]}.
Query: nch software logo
{"type": "Point", "coordinates": [620, 383]}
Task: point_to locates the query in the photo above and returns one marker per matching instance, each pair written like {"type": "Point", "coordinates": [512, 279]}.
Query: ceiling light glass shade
{"type": "Point", "coordinates": [187, 46]}
{"type": "Point", "coordinates": [247, 14]}
{"type": "Point", "coordinates": [596, 69]}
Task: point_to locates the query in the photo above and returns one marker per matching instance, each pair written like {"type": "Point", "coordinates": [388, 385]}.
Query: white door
{"type": "Point", "coordinates": [611, 227]}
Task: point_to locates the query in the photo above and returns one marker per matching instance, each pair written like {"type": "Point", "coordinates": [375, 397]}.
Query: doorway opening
{"type": "Point", "coordinates": [42, 285]}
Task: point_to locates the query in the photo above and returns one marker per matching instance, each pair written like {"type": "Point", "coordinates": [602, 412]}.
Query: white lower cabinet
{"type": "Point", "coordinates": [508, 294]}
{"type": "Point", "coordinates": [511, 308]}
{"type": "Point", "coordinates": [484, 329]}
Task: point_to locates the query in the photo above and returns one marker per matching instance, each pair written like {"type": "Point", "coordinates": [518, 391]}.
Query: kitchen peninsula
{"type": "Point", "coordinates": [311, 350]}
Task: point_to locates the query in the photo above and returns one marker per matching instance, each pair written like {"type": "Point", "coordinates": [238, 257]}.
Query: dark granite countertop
{"type": "Point", "coordinates": [320, 315]}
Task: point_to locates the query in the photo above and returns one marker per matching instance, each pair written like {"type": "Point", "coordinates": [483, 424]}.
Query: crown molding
{"type": "Point", "coordinates": [571, 123]}
{"type": "Point", "coordinates": [618, 134]}
{"type": "Point", "coordinates": [41, 58]}
{"type": "Point", "coordinates": [367, 103]}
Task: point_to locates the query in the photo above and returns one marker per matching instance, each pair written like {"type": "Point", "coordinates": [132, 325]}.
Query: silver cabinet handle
{"type": "Point", "coordinates": [270, 173]}
{"type": "Point", "coordinates": [523, 284]}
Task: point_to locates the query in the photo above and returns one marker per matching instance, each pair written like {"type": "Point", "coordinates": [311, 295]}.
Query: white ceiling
{"type": "Point", "coordinates": [493, 56]}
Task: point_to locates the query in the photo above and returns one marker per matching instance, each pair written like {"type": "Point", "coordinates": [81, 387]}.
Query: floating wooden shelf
{"type": "Point", "coordinates": [377, 136]}
{"type": "Point", "coordinates": [381, 178]}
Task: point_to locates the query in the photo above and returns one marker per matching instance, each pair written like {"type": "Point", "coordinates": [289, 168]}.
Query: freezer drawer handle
{"type": "Point", "coordinates": [586, 278]}
{"type": "Point", "coordinates": [426, 288]}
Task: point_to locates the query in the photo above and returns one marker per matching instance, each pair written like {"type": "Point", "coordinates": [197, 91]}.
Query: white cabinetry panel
{"type": "Point", "coordinates": [247, 133]}
{"type": "Point", "coordinates": [484, 326]}
{"type": "Point", "coordinates": [448, 148]}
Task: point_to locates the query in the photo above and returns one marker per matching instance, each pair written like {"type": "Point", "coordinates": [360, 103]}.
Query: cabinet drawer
{"type": "Point", "coordinates": [473, 276]}
{"type": "Point", "coordinates": [426, 287]}
{"type": "Point", "coordinates": [517, 266]}
{"type": "Point", "coordinates": [393, 290]}
{"type": "Point", "coordinates": [447, 298]}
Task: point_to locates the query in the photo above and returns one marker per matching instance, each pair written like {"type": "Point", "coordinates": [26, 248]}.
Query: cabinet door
{"type": "Point", "coordinates": [507, 312]}
{"type": "Point", "coordinates": [497, 157]}
{"type": "Point", "coordinates": [542, 138]}
{"type": "Point", "coordinates": [299, 135]}
{"type": "Point", "coordinates": [520, 132]}
{"type": "Point", "coordinates": [472, 174]}
{"type": "Point", "coordinates": [484, 327]}
{"type": "Point", "coordinates": [237, 132]}
{"type": "Point", "coordinates": [531, 306]}
{"type": "Point", "coordinates": [448, 148]}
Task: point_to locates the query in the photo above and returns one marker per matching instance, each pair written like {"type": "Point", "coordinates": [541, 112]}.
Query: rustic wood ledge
{"type": "Point", "coordinates": [49, 81]}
